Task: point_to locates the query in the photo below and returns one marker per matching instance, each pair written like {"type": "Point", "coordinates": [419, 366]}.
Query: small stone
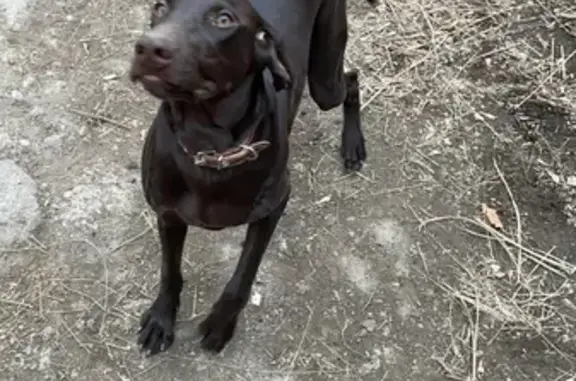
{"type": "Point", "coordinates": [369, 324]}
{"type": "Point", "coordinates": [283, 245]}
{"type": "Point", "coordinates": [256, 299]}
{"type": "Point", "coordinates": [17, 95]}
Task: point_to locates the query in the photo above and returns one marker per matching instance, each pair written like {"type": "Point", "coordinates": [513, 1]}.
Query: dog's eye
{"type": "Point", "coordinates": [261, 36]}
{"type": "Point", "coordinates": [223, 20]}
{"type": "Point", "coordinates": [160, 8]}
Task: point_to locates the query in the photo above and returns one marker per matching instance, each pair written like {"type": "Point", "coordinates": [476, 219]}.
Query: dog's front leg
{"type": "Point", "coordinates": [157, 324]}
{"type": "Point", "coordinates": [218, 328]}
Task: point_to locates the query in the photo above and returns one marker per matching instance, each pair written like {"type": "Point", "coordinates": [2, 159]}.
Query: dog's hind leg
{"type": "Point", "coordinates": [327, 48]}
{"type": "Point", "coordinates": [218, 328]}
{"type": "Point", "coordinates": [157, 324]}
{"type": "Point", "coordinates": [330, 85]}
{"type": "Point", "coordinates": [352, 146]}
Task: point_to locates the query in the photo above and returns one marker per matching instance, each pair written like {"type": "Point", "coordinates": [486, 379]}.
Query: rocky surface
{"type": "Point", "coordinates": [19, 209]}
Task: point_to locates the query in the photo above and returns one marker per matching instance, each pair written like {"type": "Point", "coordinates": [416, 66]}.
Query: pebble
{"type": "Point", "coordinates": [369, 325]}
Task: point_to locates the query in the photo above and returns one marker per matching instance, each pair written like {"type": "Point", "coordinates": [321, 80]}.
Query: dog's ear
{"type": "Point", "coordinates": [268, 54]}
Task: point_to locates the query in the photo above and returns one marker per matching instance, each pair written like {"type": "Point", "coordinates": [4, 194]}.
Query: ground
{"type": "Point", "coordinates": [399, 273]}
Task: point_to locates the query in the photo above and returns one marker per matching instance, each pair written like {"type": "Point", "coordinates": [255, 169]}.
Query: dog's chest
{"type": "Point", "coordinates": [209, 213]}
{"type": "Point", "coordinates": [218, 199]}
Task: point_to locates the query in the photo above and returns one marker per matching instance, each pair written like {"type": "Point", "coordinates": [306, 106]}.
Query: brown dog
{"type": "Point", "coordinates": [230, 74]}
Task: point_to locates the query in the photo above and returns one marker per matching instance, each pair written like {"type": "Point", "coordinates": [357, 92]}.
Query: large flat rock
{"type": "Point", "coordinates": [14, 11]}
{"type": "Point", "coordinates": [19, 209]}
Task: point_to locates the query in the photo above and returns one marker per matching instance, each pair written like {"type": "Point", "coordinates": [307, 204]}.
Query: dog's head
{"type": "Point", "coordinates": [199, 50]}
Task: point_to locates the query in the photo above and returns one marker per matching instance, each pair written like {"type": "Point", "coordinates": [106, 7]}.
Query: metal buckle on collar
{"type": "Point", "coordinates": [200, 157]}
{"type": "Point", "coordinates": [253, 154]}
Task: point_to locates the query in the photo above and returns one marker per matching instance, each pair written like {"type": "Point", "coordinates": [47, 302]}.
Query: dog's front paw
{"type": "Point", "coordinates": [156, 330]}
{"type": "Point", "coordinates": [217, 330]}
{"type": "Point", "coordinates": [353, 149]}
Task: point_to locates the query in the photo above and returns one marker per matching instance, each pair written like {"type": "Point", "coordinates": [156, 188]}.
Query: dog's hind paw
{"type": "Point", "coordinates": [353, 149]}
{"type": "Point", "coordinates": [156, 331]}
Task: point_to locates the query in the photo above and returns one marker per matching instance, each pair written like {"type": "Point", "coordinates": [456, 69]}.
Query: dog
{"type": "Point", "coordinates": [230, 75]}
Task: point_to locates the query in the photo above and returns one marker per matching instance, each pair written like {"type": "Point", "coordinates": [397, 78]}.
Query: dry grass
{"type": "Point", "coordinates": [516, 296]}
{"type": "Point", "coordinates": [429, 50]}
{"type": "Point", "coordinates": [528, 292]}
{"type": "Point", "coordinates": [425, 55]}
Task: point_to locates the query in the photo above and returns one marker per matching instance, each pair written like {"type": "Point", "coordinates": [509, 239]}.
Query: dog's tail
{"type": "Point", "coordinates": [372, 2]}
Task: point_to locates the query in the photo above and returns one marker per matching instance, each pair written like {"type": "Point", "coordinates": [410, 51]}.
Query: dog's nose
{"type": "Point", "coordinates": [155, 48]}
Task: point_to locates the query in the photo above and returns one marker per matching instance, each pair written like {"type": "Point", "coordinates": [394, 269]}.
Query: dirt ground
{"type": "Point", "coordinates": [394, 274]}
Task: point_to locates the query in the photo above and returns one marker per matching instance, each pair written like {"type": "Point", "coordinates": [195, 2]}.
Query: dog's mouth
{"type": "Point", "coordinates": [153, 84]}
{"type": "Point", "coordinates": [165, 90]}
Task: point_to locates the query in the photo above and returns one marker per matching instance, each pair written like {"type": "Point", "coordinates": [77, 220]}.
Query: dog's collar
{"type": "Point", "coordinates": [247, 150]}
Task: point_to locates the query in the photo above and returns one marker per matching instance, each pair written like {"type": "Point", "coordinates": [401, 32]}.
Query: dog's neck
{"type": "Point", "coordinates": [230, 110]}
{"type": "Point", "coordinates": [216, 126]}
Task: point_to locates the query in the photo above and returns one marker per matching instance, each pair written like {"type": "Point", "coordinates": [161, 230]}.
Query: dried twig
{"type": "Point", "coordinates": [100, 118]}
